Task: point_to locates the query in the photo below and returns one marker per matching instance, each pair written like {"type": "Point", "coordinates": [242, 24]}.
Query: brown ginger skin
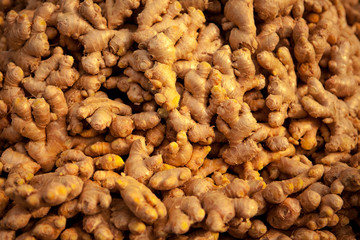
{"type": "Point", "coordinates": [49, 227]}
{"type": "Point", "coordinates": [10, 88]}
{"type": "Point", "coordinates": [219, 208]}
{"type": "Point", "coordinates": [305, 130]}
{"type": "Point", "coordinates": [138, 60]}
{"type": "Point", "coordinates": [24, 124]}
{"type": "Point", "coordinates": [213, 130]}
{"type": "Point", "coordinates": [348, 180]}
{"type": "Point", "coordinates": [237, 72]}
{"type": "Point", "coordinates": [220, 215]}
{"type": "Point", "coordinates": [145, 120]}
{"type": "Point", "coordinates": [240, 13]}
{"type": "Point", "coordinates": [331, 176]}
{"type": "Point", "coordinates": [210, 166]}
{"type": "Point", "coordinates": [20, 174]}
{"type": "Point", "coordinates": [151, 13]}
{"type": "Point", "coordinates": [317, 106]}
{"type": "Point", "coordinates": [121, 126]}
{"type": "Point", "coordinates": [37, 84]}
{"type": "Point", "coordinates": [180, 120]}
{"type": "Point", "coordinates": [96, 40]}
{"type": "Point", "coordinates": [69, 209]}
{"type": "Point", "coordinates": [245, 207]}
{"type": "Point", "coordinates": [65, 76]}
{"type": "Point", "coordinates": [101, 227]}
{"type": "Point", "coordinates": [74, 233]}
{"type": "Point", "coordinates": [172, 17]}
{"type": "Point", "coordinates": [293, 166]}
{"type": "Point", "coordinates": [92, 12]}
{"type": "Point", "coordinates": [117, 11]}
{"type": "Point", "coordinates": [139, 164]}
{"type": "Point", "coordinates": [46, 150]}
{"type": "Point", "coordinates": [276, 8]}
{"type": "Point", "coordinates": [198, 156]}
{"type": "Point", "coordinates": [134, 84]}
{"type": "Point", "coordinates": [183, 211]}
{"type": "Point", "coordinates": [258, 229]}
{"type": "Point", "coordinates": [119, 146]}
{"type": "Point", "coordinates": [93, 198]}
{"type": "Point", "coordinates": [284, 215]}
{"type": "Point", "coordinates": [273, 32]}
{"type": "Point", "coordinates": [106, 179]}
{"type": "Point", "coordinates": [245, 71]}
{"type": "Point", "coordinates": [16, 218]}
{"type": "Point", "coordinates": [7, 234]}
{"type": "Point", "coordinates": [277, 191]}
{"type": "Point", "coordinates": [19, 29]}
{"type": "Point", "coordinates": [188, 45]}
{"type": "Point", "coordinates": [178, 153]}
{"type": "Point", "coordinates": [282, 84]}
{"type": "Point", "coordinates": [123, 219]}
{"type": "Point", "coordinates": [140, 200]}
{"type": "Point", "coordinates": [121, 42]}
{"type": "Point", "coordinates": [238, 227]}
{"type": "Point", "coordinates": [308, 50]}
{"type": "Point", "coordinates": [342, 83]}
{"type": "Point", "coordinates": [198, 186]}
{"type": "Point", "coordinates": [314, 221]}
{"type": "Point", "coordinates": [198, 85]}
{"type": "Point", "coordinates": [162, 46]}
{"type": "Point", "coordinates": [48, 189]}
{"type": "Point", "coordinates": [100, 111]}
{"type": "Point", "coordinates": [310, 198]}
{"type": "Point", "coordinates": [235, 121]}
{"type": "Point", "coordinates": [20, 167]}
{"type": "Point", "coordinates": [22, 120]}
{"type": "Point", "coordinates": [75, 162]}
{"type": "Point", "coordinates": [275, 235]}
{"type": "Point", "coordinates": [303, 233]}
{"type": "Point", "coordinates": [330, 204]}
{"type": "Point", "coordinates": [169, 179]}
{"type": "Point", "coordinates": [92, 63]}
{"type": "Point", "coordinates": [163, 80]}
{"type": "Point", "coordinates": [29, 43]}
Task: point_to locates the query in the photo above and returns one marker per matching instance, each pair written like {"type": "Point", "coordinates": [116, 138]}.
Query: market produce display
{"type": "Point", "coordinates": [184, 120]}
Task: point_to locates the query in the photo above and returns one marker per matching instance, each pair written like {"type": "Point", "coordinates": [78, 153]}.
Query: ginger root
{"type": "Point", "coordinates": [48, 189]}
{"type": "Point", "coordinates": [179, 119]}
{"type": "Point", "coordinates": [140, 200]}
{"type": "Point", "coordinates": [277, 191]}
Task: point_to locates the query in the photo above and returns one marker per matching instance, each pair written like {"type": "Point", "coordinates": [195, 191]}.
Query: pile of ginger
{"type": "Point", "coordinates": [179, 119]}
